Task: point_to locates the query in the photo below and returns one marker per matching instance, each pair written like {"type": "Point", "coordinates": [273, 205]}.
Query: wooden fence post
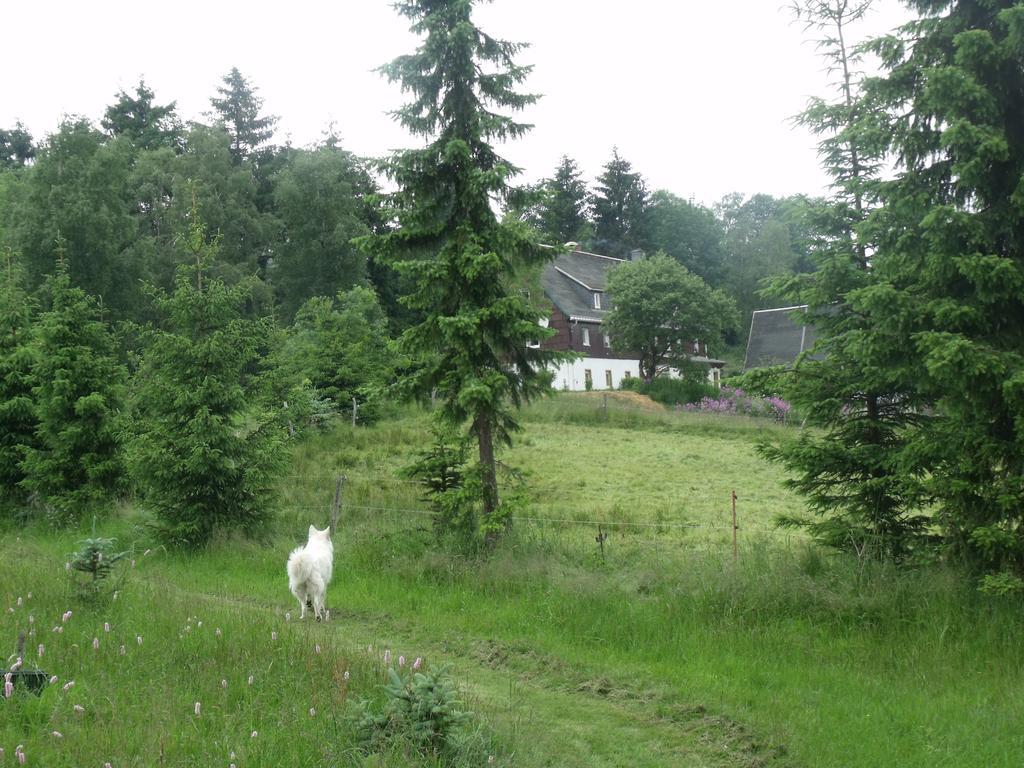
{"type": "Point", "coordinates": [336, 507]}
{"type": "Point", "coordinates": [735, 527]}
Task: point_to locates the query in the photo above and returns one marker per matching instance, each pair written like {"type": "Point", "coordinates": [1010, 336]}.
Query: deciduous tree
{"type": "Point", "coordinates": [661, 309]}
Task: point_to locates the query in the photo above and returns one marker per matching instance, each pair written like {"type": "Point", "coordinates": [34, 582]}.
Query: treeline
{"type": "Point", "coordinates": [118, 195]}
{"type": "Point", "coordinates": [733, 246]}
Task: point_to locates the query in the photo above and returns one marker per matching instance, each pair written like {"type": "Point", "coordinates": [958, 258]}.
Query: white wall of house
{"type": "Point", "coordinates": [572, 376]}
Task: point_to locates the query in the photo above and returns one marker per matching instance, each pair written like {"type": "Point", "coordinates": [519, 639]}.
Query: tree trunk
{"type": "Point", "coordinates": [485, 439]}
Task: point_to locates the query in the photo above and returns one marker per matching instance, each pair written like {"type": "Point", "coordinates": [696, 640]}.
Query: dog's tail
{"type": "Point", "coordinates": [300, 567]}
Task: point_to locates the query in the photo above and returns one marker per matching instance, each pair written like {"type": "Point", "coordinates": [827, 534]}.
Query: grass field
{"type": "Point", "coordinates": [662, 652]}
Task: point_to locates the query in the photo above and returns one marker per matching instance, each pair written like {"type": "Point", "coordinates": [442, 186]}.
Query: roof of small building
{"type": "Point", "coordinates": [571, 280]}
{"type": "Point", "coordinates": [778, 336]}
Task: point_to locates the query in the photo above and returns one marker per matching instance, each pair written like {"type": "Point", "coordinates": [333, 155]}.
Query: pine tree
{"type": "Point", "coordinates": [238, 111]}
{"type": "Point", "coordinates": [75, 464]}
{"type": "Point", "coordinates": [619, 206]}
{"type": "Point", "coordinates": [949, 292]}
{"type": "Point", "coordinates": [203, 453]}
{"type": "Point", "coordinates": [472, 347]}
{"type": "Point", "coordinates": [17, 410]}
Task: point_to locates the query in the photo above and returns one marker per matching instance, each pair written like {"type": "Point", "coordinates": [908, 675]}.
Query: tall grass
{"type": "Point", "coordinates": [658, 649]}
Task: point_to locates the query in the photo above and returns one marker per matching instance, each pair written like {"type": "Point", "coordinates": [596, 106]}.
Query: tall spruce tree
{"type": "Point", "coordinates": [16, 147]}
{"type": "Point", "coordinates": [237, 109]}
{"type": "Point", "coordinates": [560, 212]}
{"type": "Point", "coordinates": [202, 451]}
{"type": "Point", "coordinates": [852, 470]}
{"type": "Point", "coordinates": [75, 465]}
{"type": "Point", "coordinates": [145, 124]}
{"type": "Point", "coordinates": [949, 261]}
{"type": "Point", "coordinates": [17, 409]}
{"type": "Point", "coordinates": [619, 206]}
{"type": "Point", "coordinates": [473, 345]}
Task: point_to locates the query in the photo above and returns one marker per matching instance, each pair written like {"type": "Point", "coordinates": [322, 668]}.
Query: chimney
{"type": "Point", "coordinates": [637, 254]}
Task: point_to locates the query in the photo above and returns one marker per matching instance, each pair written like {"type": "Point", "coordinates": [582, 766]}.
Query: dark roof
{"type": "Point", "coordinates": [571, 280]}
{"type": "Point", "coordinates": [777, 337]}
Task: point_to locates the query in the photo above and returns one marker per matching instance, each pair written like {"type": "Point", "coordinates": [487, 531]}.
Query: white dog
{"type": "Point", "coordinates": [309, 571]}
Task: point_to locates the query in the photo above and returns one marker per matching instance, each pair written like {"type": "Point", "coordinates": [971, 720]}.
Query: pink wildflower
{"type": "Point", "coordinates": [273, 635]}
{"type": "Point", "coordinates": [317, 647]}
{"type": "Point", "coordinates": [312, 711]}
{"type": "Point", "coordinates": [57, 734]}
{"type": "Point", "coordinates": [346, 675]}
{"type": "Point", "coordinates": [8, 689]}
{"type": "Point", "coordinates": [95, 643]}
{"type": "Point", "coordinates": [223, 683]}
{"type": "Point", "coordinates": [122, 650]}
{"type": "Point", "coordinates": [217, 632]}
{"type": "Point", "coordinates": [138, 639]}
{"type": "Point", "coordinates": [67, 567]}
{"type": "Point", "coordinates": [106, 626]}
{"type": "Point", "coordinates": [418, 663]}
{"type": "Point", "coordinates": [250, 679]}
{"type": "Point", "coordinates": [78, 708]}
{"type": "Point", "coordinates": [53, 680]}
{"type": "Point", "coordinates": [387, 657]}
{"type": "Point", "coordinates": [198, 708]}
{"type": "Point", "coordinates": [254, 734]}
{"type": "Point", "coordinates": [65, 617]}
{"type": "Point", "coordinates": [287, 616]}
{"type": "Point", "coordinates": [20, 601]}
{"type": "Point", "coordinates": [401, 661]}
{"type": "Point", "coordinates": [40, 650]}
{"type": "Point", "coordinates": [68, 685]}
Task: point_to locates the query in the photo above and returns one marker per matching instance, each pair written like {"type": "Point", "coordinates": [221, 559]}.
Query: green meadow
{"type": "Point", "coordinates": [659, 649]}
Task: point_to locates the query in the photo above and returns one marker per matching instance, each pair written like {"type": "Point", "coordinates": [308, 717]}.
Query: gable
{"type": "Point", "coordinates": [778, 336]}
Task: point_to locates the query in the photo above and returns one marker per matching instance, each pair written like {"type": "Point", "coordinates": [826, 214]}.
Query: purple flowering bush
{"type": "Point", "coordinates": [738, 402]}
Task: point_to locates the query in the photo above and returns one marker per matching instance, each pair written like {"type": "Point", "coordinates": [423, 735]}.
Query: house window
{"type": "Point", "coordinates": [607, 341]}
{"type": "Point", "coordinates": [696, 347]}
{"type": "Point", "coordinates": [533, 344]}
{"type": "Point", "coordinates": [608, 379]}
{"type": "Point", "coordinates": [588, 378]}
{"type": "Point", "coordinates": [586, 337]}
{"type": "Point", "coordinates": [597, 300]}
{"type": "Point", "coordinates": [627, 375]}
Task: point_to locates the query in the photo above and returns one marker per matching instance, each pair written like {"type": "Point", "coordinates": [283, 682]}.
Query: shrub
{"type": "Point", "coordinates": [669, 391]}
{"type": "Point", "coordinates": [737, 401]}
{"type": "Point", "coordinates": [419, 708]}
{"type": "Point", "coordinates": [96, 558]}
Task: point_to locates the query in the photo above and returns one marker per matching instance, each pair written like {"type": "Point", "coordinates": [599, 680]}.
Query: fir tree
{"type": "Point", "coordinates": [75, 464]}
{"type": "Point", "coordinates": [203, 453]}
{"type": "Point", "coordinates": [560, 213]}
{"type": "Point", "coordinates": [472, 346]}
{"type": "Point", "coordinates": [17, 410]}
{"type": "Point", "coordinates": [852, 471]}
{"type": "Point", "coordinates": [619, 206]}
{"type": "Point", "coordinates": [238, 111]}
{"type": "Point", "coordinates": [146, 125]}
{"type": "Point", "coordinates": [949, 289]}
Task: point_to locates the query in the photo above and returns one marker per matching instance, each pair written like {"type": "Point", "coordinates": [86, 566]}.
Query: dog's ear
{"type": "Point", "coordinates": [312, 530]}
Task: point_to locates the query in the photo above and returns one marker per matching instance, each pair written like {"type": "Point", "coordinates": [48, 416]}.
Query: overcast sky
{"type": "Point", "coordinates": [697, 95]}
